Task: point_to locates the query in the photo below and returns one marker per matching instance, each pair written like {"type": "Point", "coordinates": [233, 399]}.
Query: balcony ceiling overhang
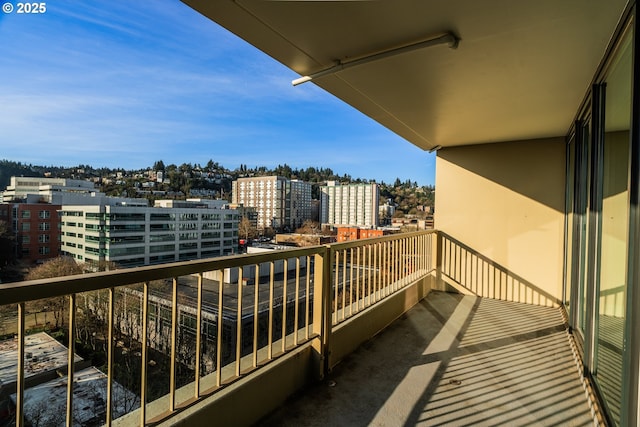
{"type": "Point", "coordinates": [520, 71]}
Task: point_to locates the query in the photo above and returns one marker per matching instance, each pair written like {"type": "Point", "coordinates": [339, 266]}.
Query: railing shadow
{"type": "Point", "coordinates": [452, 360]}
{"type": "Point", "coordinates": [464, 268]}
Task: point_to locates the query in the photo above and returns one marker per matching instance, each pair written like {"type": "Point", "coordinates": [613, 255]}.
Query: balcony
{"type": "Point", "coordinates": [363, 326]}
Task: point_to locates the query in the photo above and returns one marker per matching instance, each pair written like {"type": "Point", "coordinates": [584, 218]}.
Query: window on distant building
{"type": "Point", "coordinates": [44, 226]}
{"type": "Point", "coordinates": [25, 239]}
{"type": "Point", "coordinates": [26, 214]}
{"type": "Point", "coordinates": [43, 250]}
{"type": "Point", "coordinates": [44, 214]}
{"type": "Point", "coordinates": [26, 226]}
{"type": "Point", "coordinates": [43, 238]}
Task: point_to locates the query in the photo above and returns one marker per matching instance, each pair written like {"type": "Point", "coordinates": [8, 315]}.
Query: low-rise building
{"type": "Point", "coordinates": [36, 227]}
{"type": "Point", "coordinates": [354, 233]}
{"type": "Point", "coordinates": [20, 187]}
{"type": "Point", "coordinates": [300, 240]}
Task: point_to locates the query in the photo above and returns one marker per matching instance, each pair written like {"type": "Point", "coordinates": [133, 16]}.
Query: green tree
{"type": "Point", "coordinates": [158, 166]}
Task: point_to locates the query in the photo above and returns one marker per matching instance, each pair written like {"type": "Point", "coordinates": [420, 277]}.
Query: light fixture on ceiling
{"type": "Point", "coordinates": [449, 38]}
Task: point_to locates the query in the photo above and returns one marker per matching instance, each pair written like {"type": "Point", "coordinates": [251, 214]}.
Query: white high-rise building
{"type": "Point", "coordinates": [134, 236]}
{"type": "Point", "coordinates": [349, 204]}
{"type": "Point", "coordinates": [280, 202]}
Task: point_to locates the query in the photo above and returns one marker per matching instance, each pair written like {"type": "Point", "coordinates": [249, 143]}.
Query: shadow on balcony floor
{"type": "Point", "coordinates": [452, 360]}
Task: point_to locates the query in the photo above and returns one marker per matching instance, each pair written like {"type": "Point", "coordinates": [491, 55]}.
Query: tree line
{"type": "Point", "coordinates": [183, 179]}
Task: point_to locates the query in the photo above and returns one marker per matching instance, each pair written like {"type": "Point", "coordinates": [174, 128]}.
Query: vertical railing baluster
{"type": "Point", "coordinates": [70, 357]}
{"type": "Point", "coordinates": [396, 264]}
{"type": "Point", "coordinates": [296, 311]}
{"type": "Point", "coordinates": [369, 272]}
{"type": "Point", "coordinates": [196, 391]}
{"type": "Point", "coordinates": [239, 324]}
{"type": "Point", "coordinates": [350, 282]}
{"type": "Point", "coordinates": [256, 323]}
{"type": "Point", "coordinates": [307, 301]}
{"type": "Point", "coordinates": [415, 255]}
{"type": "Point", "coordinates": [143, 368]}
{"type": "Point", "coordinates": [376, 271]}
{"type": "Point", "coordinates": [344, 283]}
{"type": "Point", "coordinates": [174, 345]}
{"type": "Point", "coordinates": [284, 304]}
{"type": "Point", "coordinates": [426, 252]}
{"type": "Point", "coordinates": [389, 267]}
{"type": "Point", "coordinates": [358, 270]}
{"type": "Point", "coordinates": [336, 286]}
{"type": "Point", "coordinates": [402, 263]}
{"type": "Point", "coordinates": [20, 367]}
{"type": "Point", "coordinates": [418, 253]}
{"type": "Point", "coordinates": [219, 327]}
{"type": "Point", "coordinates": [381, 270]}
{"type": "Point", "coordinates": [110, 339]}
{"type": "Point", "coordinates": [270, 325]}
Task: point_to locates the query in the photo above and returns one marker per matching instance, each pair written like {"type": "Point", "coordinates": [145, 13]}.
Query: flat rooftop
{"type": "Point", "coordinates": [42, 354]}
{"type": "Point", "coordinates": [453, 360]}
{"type": "Point", "coordinates": [45, 404]}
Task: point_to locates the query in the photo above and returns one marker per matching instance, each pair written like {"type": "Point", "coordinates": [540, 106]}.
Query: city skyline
{"type": "Point", "coordinates": [120, 84]}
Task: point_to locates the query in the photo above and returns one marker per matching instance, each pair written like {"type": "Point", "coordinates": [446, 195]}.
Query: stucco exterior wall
{"type": "Point", "coordinates": [503, 207]}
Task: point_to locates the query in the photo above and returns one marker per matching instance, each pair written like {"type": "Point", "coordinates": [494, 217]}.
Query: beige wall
{"type": "Point", "coordinates": [503, 205]}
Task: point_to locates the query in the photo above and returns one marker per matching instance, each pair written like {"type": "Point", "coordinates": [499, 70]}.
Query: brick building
{"type": "Point", "coordinates": [37, 229]}
{"type": "Point", "coordinates": [354, 233]}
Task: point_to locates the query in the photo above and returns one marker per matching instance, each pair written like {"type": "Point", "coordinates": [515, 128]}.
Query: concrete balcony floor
{"type": "Point", "coordinates": [452, 360]}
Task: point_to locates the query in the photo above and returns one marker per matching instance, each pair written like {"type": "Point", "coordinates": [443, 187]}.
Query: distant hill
{"type": "Point", "coordinates": [194, 179]}
{"type": "Point", "coordinates": [9, 168]}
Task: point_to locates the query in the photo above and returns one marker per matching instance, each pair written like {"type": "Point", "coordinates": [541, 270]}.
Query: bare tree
{"type": "Point", "coordinates": [246, 229]}
{"type": "Point", "coordinates": [309, 227]}
{"type": "Point", "coordinates": [61, 266]}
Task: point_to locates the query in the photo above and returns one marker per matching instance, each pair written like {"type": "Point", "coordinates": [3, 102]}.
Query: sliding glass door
{"type": "Point", "coordinates": [597, 226]}
{"type": "Point", "coordinates": [613, 230]}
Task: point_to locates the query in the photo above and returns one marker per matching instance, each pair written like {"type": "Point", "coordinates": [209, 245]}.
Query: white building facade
{"type": "Point", "coordinates": [281, 203]}
{"type": "Point", "coordinates": [20, 187]}
{"type": "Point", "coordinates": [349, 204]}
{"type": "Point", "coordinates": [133, 236]}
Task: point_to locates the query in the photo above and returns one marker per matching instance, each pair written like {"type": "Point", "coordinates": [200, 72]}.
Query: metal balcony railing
{"type": "Point", "coordinates": [178, 333]}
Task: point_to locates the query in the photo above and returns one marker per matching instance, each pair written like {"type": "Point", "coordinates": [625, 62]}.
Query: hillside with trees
{"type": "Point", "coordinates": [211, 180]}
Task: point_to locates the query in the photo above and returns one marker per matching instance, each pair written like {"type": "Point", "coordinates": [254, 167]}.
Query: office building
{"type": "Point", "coordinates": [133, 236]}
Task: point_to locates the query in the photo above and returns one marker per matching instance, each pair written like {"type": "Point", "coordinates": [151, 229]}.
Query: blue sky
{"type": "Point", "coordinates": [126, 83]}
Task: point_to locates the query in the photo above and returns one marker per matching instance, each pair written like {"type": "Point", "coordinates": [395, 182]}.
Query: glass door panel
{"type": "Point", "coordinates": [581, 218]}
{"type": "Point", "coordinates": [613, 230]}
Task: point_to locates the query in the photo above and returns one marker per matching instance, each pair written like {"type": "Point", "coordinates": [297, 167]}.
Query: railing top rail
{"type": "Point", "coordinates": [12, 293]}
{"type": "Point", "coordinates": [368, 241]}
